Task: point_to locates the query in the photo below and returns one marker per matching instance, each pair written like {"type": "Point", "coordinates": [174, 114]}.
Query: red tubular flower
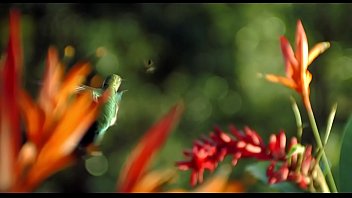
{"type": "Point", "coordinates": [277, 145]}
{"type": "Point", "coordinates": [208, 152]}
{"type": "Point", "coordinates": [291, 172]}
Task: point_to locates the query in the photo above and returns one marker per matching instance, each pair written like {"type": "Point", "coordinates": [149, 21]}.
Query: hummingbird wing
{"type": "Point", "coordinates": [83, 88]}
{"type": "Point", "coordinates": [96, 92]}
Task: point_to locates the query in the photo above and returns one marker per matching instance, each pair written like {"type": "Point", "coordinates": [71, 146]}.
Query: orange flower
{"type": "Point", "coordinates": [133, 177]}
{"type": "Point", "coordinates": [220, 183]}
{"type": "Point", "coordinates": [53, 126]}
{"type": "Point", "coordinates": [9, 116]}
{"type": "Point", "coordinates": [297, 75]}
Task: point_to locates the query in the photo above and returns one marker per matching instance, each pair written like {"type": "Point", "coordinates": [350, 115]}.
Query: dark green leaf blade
{"type": "Point", "coordinates": [345, 169]}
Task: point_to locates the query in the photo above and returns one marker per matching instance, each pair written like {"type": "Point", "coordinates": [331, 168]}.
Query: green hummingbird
{"type": "Point", "coordinates": [108, 113]}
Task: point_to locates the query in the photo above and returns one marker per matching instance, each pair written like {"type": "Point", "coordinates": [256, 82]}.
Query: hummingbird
{"type": "Point", "coordinates": [107, 117]}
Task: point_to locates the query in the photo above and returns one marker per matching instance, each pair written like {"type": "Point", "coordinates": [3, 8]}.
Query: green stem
{"type": "Point", "coordinates": [320, 145]}
{"type": "Point", "coordinates": [330, 122]}
{"type": "Point", "coordinates": [299, 162]}
{"type": "Point", "coordinates": [327, 133]}
{"type": "Point", "coordinates": [311, 187]}
{"type": "Point", "coordinates": [321, 180]}
{"type": "Point", "coordinates": [298, 119]}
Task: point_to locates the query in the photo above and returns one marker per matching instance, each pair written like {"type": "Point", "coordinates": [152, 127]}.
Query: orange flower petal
{"type": "Point", "coordinates": [317, 50]}
{"type": "Point", "coordinates": [7, 158]}
{"type": "Point", "coordinates": [234, 186]}
{"type": "Point", "coordinates": [149, 144]}
{"type": "Point", "coordinates": [301, 46]}
{"type": "Point", "coordinates": [58, 149]}
{"type": "Point", "coordinates": [73, 79]}
{"type": "Point", "coordinates": [34, 118]}
{"type": "Point", "coordinates": [26, 158]}
{"type": "Point", "coordinates": [56, 96]}
{"type": "Point", "coordinates": [52, 79]}
{"type": "Point", "coordinates": [71, 128]}
{"type": "Point", "coordinates": [152, 181]}
{"type": "Point", "coordinates": [40, 172]}
{"type": "Point", "coordinates": [10, 136]}
{"type": "Point", "coordinates": [290, 60]}
{"type": "Point", "coordinates": [217, 182]}
{"type": "Point", "coordinates": [282, 80]}
{"type": "Point", "coordinates": [308, 79]}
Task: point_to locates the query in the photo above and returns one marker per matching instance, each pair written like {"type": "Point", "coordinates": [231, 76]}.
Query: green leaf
{"type": "Point", "coordinates": [258, 170]}
{"type": "Point", "coordinates": [345, 169]}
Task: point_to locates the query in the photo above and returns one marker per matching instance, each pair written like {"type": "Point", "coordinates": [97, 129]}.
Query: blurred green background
{"type": "Point", "coordinates": [208, 55]}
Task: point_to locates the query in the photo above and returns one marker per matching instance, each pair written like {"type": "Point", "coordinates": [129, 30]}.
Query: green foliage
{"type": "Point", "coordinates": [345, 164]}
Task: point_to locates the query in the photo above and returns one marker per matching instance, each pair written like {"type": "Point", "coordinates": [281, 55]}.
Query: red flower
{"type": "Point", "coordinates": [208, 152]}
{"type": "Point", "coordinates": [292, 172]}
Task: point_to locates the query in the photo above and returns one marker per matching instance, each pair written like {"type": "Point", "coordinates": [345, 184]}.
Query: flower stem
{"type": "Point", "coordinates": [330, 122]}
{"type": "Point", "coordinates": [327, 133]}
{"type": "Point", "coordinates": [321, 180]}
{"type": "Point", "coordinates": [320, 145]}
{"type": "Point", "coordinates": [298, 119]}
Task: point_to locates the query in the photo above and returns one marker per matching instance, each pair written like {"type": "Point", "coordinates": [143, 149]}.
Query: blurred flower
{"type": "Point", "coordinates": [133, 176]}
{"type": "Point", "coordinates": [207, 153]}
{"type": "Point", "coordinates": [297, 75]}
{"type": "Point", "coordinates": [9, 116]}
{"type": "Point", "coordinates": [53, 126]}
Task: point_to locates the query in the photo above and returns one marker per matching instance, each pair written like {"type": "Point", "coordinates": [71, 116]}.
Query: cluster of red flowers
{"type": "Point", "coordinates": [209, 151]}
